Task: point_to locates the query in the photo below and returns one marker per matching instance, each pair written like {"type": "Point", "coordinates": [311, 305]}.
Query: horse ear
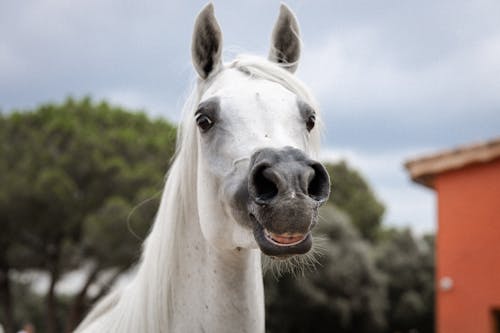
{"type": "Point", "coordinates": [206, 47]}
{"type": "Point", "coordinates": [285, 40]}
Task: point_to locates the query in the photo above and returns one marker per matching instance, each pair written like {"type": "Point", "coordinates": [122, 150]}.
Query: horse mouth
{"type": "Point", "coordinates": [280, 245]}
{"type": "Point", "coordinates": [284, 239]}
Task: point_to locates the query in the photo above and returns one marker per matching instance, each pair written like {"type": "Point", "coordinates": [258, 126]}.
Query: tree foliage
{"type": "Point", "coordinates": [70, 175]}
{"type": "Point", "coordinates": [345, 293]}
{"type": "Point", "coordinates": [408, 264]}
{"type": "Point", "coordinates": [368, 279]}
{"type": "Point", "coordinates": [79, 190]}
{"type": "Point", "coordinates": [351, 193]}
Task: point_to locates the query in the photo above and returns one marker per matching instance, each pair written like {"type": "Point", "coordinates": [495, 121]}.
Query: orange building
{"type": "Point", "coordinates": [467, 184]}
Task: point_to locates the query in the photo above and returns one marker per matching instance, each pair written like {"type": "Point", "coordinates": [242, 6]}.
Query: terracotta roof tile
{"type": "Point", "coordinates": [423, 169]}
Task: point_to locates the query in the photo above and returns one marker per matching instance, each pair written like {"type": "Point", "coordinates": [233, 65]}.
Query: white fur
{"type": "Point", "coordinates": [200, 271]}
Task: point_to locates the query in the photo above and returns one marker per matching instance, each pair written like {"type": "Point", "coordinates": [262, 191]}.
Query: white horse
{"type": "Point", "coordinates": [242, 180]}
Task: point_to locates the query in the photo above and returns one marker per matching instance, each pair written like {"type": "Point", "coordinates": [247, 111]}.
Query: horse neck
{"type": "Point", "coordinates": [214, 290]}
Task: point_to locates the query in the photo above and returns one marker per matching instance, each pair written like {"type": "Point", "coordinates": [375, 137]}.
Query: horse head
{"type": "Point", "coordinates": [257, 130]}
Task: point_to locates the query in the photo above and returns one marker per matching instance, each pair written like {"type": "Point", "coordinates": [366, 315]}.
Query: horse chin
{"type": "Point", "coordinates": [280, 247]}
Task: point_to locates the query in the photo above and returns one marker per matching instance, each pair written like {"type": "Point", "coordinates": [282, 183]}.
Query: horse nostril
{"type": "Point", "coordinates": [263, 185]}
{"type": "Point", "coordinates": [319, 185]}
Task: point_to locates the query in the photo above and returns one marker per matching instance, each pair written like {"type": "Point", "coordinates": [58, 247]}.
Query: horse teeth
{"type": "Point", "coordinates": [285, 239]}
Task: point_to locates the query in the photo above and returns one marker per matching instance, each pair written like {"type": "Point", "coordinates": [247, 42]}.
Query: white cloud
{"type": "Point", "coordinates": [407, 204]}
{"type": "Point", "coordinates": [358, 71]}
{"type": "Point", "coordinates": [386, 80]}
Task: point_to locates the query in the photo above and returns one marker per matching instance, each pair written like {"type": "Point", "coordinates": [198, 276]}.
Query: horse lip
{"type": "Point", "coordinates": [284, 239]}
{"type": "Point", "coordinates": [273, 248]}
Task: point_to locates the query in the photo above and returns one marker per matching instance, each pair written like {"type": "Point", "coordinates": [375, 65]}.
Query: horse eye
{"type": "Point", "coordinates": [204, 122]}
{"type": "Point", "coordinates": [311, 121]}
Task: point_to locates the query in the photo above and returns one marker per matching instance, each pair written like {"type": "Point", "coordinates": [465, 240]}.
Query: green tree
{"type": "Point", "coordinates": [408, 265]}
{"type": "Point", "coordinates": [71, 173]}
{"type": "Point", "coordinates": [351, 193]}
{"type": "Point", "coordinates": [381, 282]}
{"type": "Point", "coordinates": [345, 293]}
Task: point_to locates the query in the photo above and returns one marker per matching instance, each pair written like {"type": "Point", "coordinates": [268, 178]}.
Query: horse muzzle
{"type": "Point", "coordinates": [285, 190]}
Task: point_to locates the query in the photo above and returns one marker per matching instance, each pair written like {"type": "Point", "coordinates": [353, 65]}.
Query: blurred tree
{"type": "Point", "coordinates": [70, 176]}
{"type": "Point", "coordinates": [408, 265]}
{"type": "Point", "coordinates": [381, 282]}
{"type": "Point", "coordinates": [351, 193]}
{"type": "Point", "coordinates": [344, 294]}
{"type": "Point", "coordinates": [73, 174]}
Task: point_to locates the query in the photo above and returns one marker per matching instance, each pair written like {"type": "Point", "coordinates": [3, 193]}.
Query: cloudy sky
{"type": "Point", "coordinates": [395, 79]}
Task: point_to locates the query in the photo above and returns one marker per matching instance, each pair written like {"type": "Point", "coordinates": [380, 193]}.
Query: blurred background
{"type": "Point", "coordinates": [90, 93]}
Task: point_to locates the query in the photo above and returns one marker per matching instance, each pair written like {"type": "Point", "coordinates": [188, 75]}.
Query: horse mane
{"type": "Point", "coordinates": [144, 304]}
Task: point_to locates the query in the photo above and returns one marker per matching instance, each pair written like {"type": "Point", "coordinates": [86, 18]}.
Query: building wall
{"type": "Point", "coordinates": [468, 248]}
